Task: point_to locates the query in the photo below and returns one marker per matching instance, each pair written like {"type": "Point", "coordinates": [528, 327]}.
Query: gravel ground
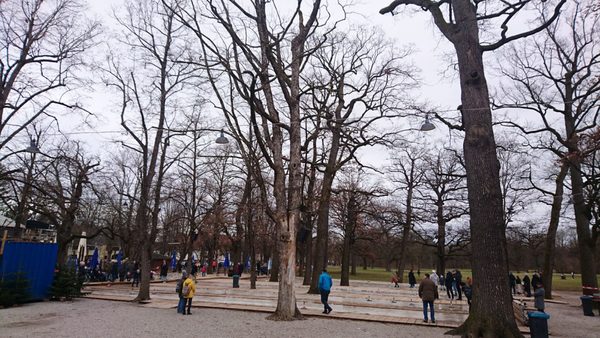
{"type": "Point", "coordinates": [97, 318]}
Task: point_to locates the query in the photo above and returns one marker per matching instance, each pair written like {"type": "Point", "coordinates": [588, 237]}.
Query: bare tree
{"type": "Point", "coordinates": [557, 78]}
{"type": "Point", "coordinates": [257, 46]}
{"type": "Point", "coordinates": [150, 102]}
{"type": "Point", "coordinates": [42, 45]}
{"type": "Point", "coordinates": [444, 187]}
{"type": "Point", "coordinates": [407, 175]}
{"type": "Point", "coordinates": [460, 21]}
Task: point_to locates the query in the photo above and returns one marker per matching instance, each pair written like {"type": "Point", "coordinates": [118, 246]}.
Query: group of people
{"type": "Point", "coordinates": [452, 283]}
{"type": "Point", "coordinates": [523, 286]}
{"type": "Point", "coordinates": [186, 288]}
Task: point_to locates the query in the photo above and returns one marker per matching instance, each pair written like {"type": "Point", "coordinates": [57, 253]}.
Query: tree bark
{"type": "Point", "coordinates": [441, 239]}
{"type": "Point", "coordinates": [491, 312]}
{"type": "Point", "coordinates": [550, 243]}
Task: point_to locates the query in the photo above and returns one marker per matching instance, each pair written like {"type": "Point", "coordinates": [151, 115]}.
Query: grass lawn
{"type": "Point", "coordinates": [379, 274]}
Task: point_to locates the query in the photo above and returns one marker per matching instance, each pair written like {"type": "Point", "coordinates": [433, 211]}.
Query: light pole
{"type": "Point", "coordinates": [33, 150]}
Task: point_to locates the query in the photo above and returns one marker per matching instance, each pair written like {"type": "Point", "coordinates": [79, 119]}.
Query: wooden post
{"type": "Point", "coordinates": [4, 236]}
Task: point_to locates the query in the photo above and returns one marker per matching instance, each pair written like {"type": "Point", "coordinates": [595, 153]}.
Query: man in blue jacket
{"type": "Point", "coordinates": [324, 288]}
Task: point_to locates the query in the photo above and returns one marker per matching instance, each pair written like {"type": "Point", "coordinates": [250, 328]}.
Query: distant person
{"type": "Point", "coordinates": [214, 267]}
{"type": "Point", "coordinates": [458, 283]}
{"type": "Point", "coordinates": [428, 293]}
{"type": "Point", "coordinates": [539, 295]}
{"type": "Point", "coordinates": [325, 283]}
{"type": "Point", "coordinates": [203, 270]}
{"type": "Point", "coordinates": [512, 282]}
{"type": "Point", "coordinates": [527, 286]}
{"type": "Point", "coordinates": [519, 285]}
{"type": "Point", "coordinates": [135, 274]}
{"type": "Point", "coordinates": [179, 290]}
{"type": "Point", "coordinates": [535, 280]}
{"type": "Point", "coordinates": [468, 291]}
{"type": "Point", "coordinates": [395, 280]}
{"type": "Point", "coordinates": [412, 281]}
{"type": "Point", "coordinates": [572, 275]}
{"type": "Point", "coordinates": [442, 282]}
{"type": "Point", "coordinates": [434, 277]}
{"type": "Point", "coordinates": [187, 291]}
{"type": "Point", "coordinates": [164, 269]}
{"type": "Point", "coordinates": [449, 281]}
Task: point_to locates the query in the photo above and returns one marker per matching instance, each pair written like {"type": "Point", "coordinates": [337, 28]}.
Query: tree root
{"type": "Point", "coordinates": [279, 317]}
{"type": "Point", "coordinates": [477, 327]}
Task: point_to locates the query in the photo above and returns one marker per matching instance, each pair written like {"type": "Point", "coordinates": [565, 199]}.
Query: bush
{"type": "Point", "coordinates": [66, 285]}
{"type": "Point", "coordinates": [14, 289]}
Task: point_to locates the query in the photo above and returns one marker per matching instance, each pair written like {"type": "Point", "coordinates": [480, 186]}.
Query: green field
{"type": "Point", "coordinates": [379, 274]}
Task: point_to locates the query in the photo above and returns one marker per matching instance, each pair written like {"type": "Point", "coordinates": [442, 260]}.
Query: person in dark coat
{"type": "Point", "coordinates": [535, 280]}
{"type": "Point", "coordinates": [448, 283]}
{"type": "Point", "coordinates": [428, 293]}
{"type": "Point", "coordinates": [411, 279]}
{"type": "Point", "coordinates": [164, 269]}
{"type": "Point", "coordinates": [458, 280]}
{"type": "Point", "coordinates": [512, 281]}
{"type": "Point", "coordinates": [135, 274]}
{"type": "Point", "coordinates": [539, 295]}
{"type": "Point", "coordinates": [468, 291]}
{"type": "Point", "coordinates": [518, 284]}
{"type": "Point", "coordinates": [527, 286]}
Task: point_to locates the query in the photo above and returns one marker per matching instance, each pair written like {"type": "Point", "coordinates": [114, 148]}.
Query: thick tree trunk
{"type": "Point", "coordinates": [345, 274]}
{"type": "Point", "coordinates": [308, 248]}
{"type": "Point", "coordinates": [275, 265]}
{"type": "Point", "coordinates": [144, 292]}
{"type": "Point", "coordinates": [491, 312]}
{"type": "Point", "coordinates": [441, 239]}
{"type": "Point", "coordinates": [320, 257]}
{"type": "Point", "coordinates": [586, 246]}
{"type": "Point", "coordinates": [550, 244]}
{"type": "Point", "coordinates": [353, 264]}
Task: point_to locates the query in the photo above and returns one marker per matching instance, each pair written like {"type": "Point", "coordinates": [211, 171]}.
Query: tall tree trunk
{"type": "Point", "coordinates": [345, 274]}
{"type": "Point", "coordinates": [353, 264]}
{"type": "Point", "coordinates": [587, 247]}
{"type": "Point", "coordinates": [275, 264]}
{"type": "Point", "coordinates": [144, 292]}
{"type": "Point", "coordinates": [491, 312]}
{"type": "Point", "coordinates": [550, 244]}
{"type": "Point", "coordinates": [405, 232]}
{"type": "Point", "coordinates": [441, 239]}
{"type": "Point", "coordinates": [308, 248]}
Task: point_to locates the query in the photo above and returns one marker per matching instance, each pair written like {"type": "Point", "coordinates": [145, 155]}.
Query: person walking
{"type": "Point", "coordinates": [535, 280]}
{"type": "Point", "coordinates": [468, 291]}
{"type": "Point", "coordinates": [164, 269]}
{"type": "Point", "coordinates": [539, 295]}
{"type": "Point", "coordinates": [428, 294]}
{"type": "Point", "coordinates": [512, 281]}
{"type": "Point", "coordinates": [188, 290]}
{"type": "Point", "coordinates": [395, 280]}
{"type": "Point", "coordinates": [449, 280]}
{"type": "Point", "coordinates": [325, 283]}
{"type": "Point", "coordinates": [135, 274]}
{"type": "Point", "coordinates": [411, 278]}
{"type": "Point", "coordinates": [518, 285]}
{"type": "Point", "coordinates": [527, 286]}
{"type": "Point", "coordinates": [458, 283]}
{"type": "Point", "coordinates": [434, 277]}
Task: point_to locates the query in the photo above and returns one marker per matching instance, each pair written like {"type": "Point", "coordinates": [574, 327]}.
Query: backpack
{"type": "Point", "coordinates": [186, 290]}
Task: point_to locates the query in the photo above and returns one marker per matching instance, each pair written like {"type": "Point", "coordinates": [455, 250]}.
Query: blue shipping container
{"type": "Point", "coordinates": [36, 260]}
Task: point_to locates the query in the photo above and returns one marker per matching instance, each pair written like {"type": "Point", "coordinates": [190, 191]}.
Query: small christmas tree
{"type": "Point", "coordinates": [14, 289]}
{"type": "Point", "coordinates": [66, 285]}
